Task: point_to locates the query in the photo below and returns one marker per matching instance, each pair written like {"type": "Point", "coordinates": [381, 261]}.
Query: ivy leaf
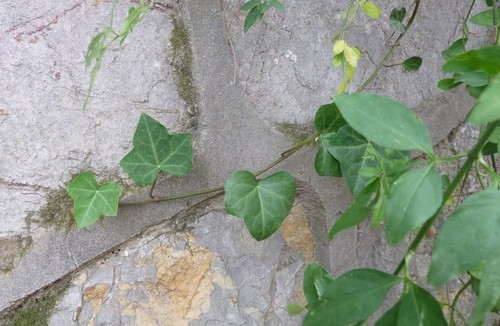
{"type": "Point", "coordinates": [359, 209]}
{"type": "Point", "coordinates": [91, 200]}
{"type": "Point", "coordinates": [487, 108]}
{"type": "Point", "coordinates": [264, 204]}
{"type": "Point", "coordinates": [384, 121]}
{"type": "Point", "coordinates": [351, 298]}
{"type": "Point", "coordinates": [328, 119]}
{"type": "Point", "coordinates": [489, 292]}
{"type": "Point", "coordinates": [316, 281]}
{"type": "Point", "coordinates": [484, 18]}
{"type": "Point", "coordinates": [412, 64]}
{"type": "Point", "coordinates": [448, 83]}
{"type": "Point", "coordinates": [485, 59]}
{"type": "Point", "coordinates": [456, 48]}
{"type": "Point", "coordinates": [416, 307]}
{"type": "Point", "coordinates": [325, 164]}
{"type": "Point", "coordinates": [396, 19]}
{"type": "Point", "coordinates": [468, 237]}
{"type": "Point", "coordinates": [156, 150]}
{"type": "Point", "coordinates": [415, 197]}
{"type": "Point", "coordinates": [371, 9]}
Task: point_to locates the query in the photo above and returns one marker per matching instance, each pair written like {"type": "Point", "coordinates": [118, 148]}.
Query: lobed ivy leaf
{"type": "Point", "coordinates": [263, 204]}
{"type": "Point", "coordinates": [316, 281]}
{"type": "Point", "coordinates": [396, 19]}
{"type": "Point", "coordinates": [359, 209]}
{"type": "Point", "coordinates": [415, 197]}
{"type": "Point", "coordinates": [156, 150]}
{"type": "Point", "coordinates": [351, 298]}
{"type": "Point", "coordinates": [411, 64]}
{"type": "Point", "coordinates": [324, 163]}
{"type": "Point", "coordinates": [456, 48]}
{"type": "Point", "coordinates": [484, 18]}
{"type": "Point", "coordinates": [487, 108]}
{"type": "Point", "coordinates": [385, 121]}
{"type": "Point", "coordinates": [416, 307]}
{"type": "Point", "coordinates": [328, 119]}
{"type": "Point", "coordinates": [91, 200]}
{"type": "Point", "coordinates": [485, 59]}
{"type": "Point", "coordinates": [489, 292]}
{"type": "Point", "coordinates": [468, 237]}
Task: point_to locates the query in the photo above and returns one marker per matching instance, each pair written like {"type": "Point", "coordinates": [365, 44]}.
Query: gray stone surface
{"type": "Point", "coordinates": [248, 84]}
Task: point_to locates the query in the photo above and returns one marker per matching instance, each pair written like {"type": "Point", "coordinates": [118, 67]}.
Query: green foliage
{"type": "Point", "coordinates": [350, 298]}
{"type": "Point", "coordinates": [327, 121]}
{"type": "Point", "coordinates": [456, 48]}
{"type": "Point", "coordinates": [396, 18]}
{"type": "Point", "coordinates": [412, 64]}
{"type": "Point", "coordinates": [91, 200]}
{"type": "Point", "coordinates": [263, 204]}
{"type": "Point", "coordinates": [258, 9]}
{"type": "Point", "coordinates": [485, 59]}
{"type": "Point", "coordinates": [317, 281]}
{"type": "Point", "coordinates": [489, 289]}
{"type": "Point", "coordinates": [487, 108]}
{"type": "Point", "coordinates": [484, 18]}
{"type": "Point", "coordinates": [371, 9]}
{"type": "Point", "coordinates": [155, 150]}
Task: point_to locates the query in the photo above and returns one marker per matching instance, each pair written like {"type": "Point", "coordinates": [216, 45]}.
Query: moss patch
{"type": "Point", "coordinates": [12, 249]}
{"type": "Point", "coordinates": [294, 131]}
{"type": "Point", "coordinates": [181, 60]}
{"type": "Point", "coordinates": [37, 310]}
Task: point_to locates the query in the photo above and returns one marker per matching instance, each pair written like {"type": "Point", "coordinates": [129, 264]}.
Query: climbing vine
{"type": "Point", "coordinates": [384, 153]}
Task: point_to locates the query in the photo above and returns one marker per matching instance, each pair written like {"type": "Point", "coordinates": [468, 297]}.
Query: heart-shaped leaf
{"type": "Point", "coordinates": [263, 204]}
{"type": "Point", "coordinates": [91, 201]}
{"type": "Point", "coordinates": [412, 64]}
{"type": "Point", "coordinates": [156, 150]}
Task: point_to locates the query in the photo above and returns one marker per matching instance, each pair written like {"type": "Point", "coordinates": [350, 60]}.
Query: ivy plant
{"type": "Point", "coordinates": [384, 153]}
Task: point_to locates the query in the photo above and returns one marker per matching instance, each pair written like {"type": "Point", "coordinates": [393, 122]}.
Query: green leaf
{"type": "Point", "coordinates": [489, 3]}
{"type": "Point", "coordinates": [475, 92]}
{"type": "Point", "coordinates": [487, 108]}
{"type": "Point", "coordinates": [396, 19]}
{"type": "Point", "coordinates": [251, 18]}
{"type": "Point", "coordinates": [295, 308]}
{"type": "Point", "coordinates": [264, 204]}
{"type": "Point", "coordinates": [250, 4]}
{"type": "Point", "coordinates": [156, 150]}
{"type": "Point", "coordinates": [378, 212]}
{"type": "Point", "coordinates": [489, 292]}
{"type": "Point", "coordinates": [473, 78]}
{"type": "Point", "coordinates": [325, 164]}
{"type": "Point", "coordinates": [135, 15]}
{"type": "Point", "coordinates": [485, 59]}
{"type": "Point", "coordinates": [371, 9]}
{"type": "Point", "coordinates": [469, 236]}
{"type": "Point", "coordinates": [416, 307]}
{"type": "Point", "coordinates": [359, 209]}
{"type": "Point", "coordinates": [328, 119]}
{"type": "Point", "coordinates": [456, 48]}
{"type": "Point", "coordinates": [484, 18]}
{"type": "Point", "coordinates": [351, 298]}
{"type": "Point", "coordinates": [276, 4]}
{"type": "Point", "coordinates": [316, 281]}
{"type": "Point", "coordinates": [91, 200]}
{"type": "Point", "coordinates": [412, 64]}
{"type": "Point", "coordinates": [448, 83]}
{"type": "Point", "coordinates": [415, 197]}
{"type": "Point", "coordinates": [384, 121]}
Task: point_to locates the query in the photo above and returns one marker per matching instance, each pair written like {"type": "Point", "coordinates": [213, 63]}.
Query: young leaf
{"type": "Point", "coordinates": [351, 56]}
{"type": "Point", "coordinates": [473, 78]}
{"type": "Point", "coordinates": [489, 292]}
{"type": "Point", "coordinates": [384, 121]}
{"type": "Point", "coordinates": [371, 9]}
{"type": "Point", "coordinates": [416, 307]}
{"type": "Point", "coordinates": [276, 4]}
{"type": "Point", "coordinates": [338, 47]}
{"type": "Point", "coordinates": [378, 212]}
{"type": "Point", "coordinates": [264, 204]}
{"type": "Point", "coordinates": [456, 48]}
{"type": "Point", "coordinates": [411, 64]}
{"type": "Point", "coordinates": [135, 15]}
{"type": "Point", "coordinates": [358, 210]}
{"type": "Point", "coordinates": [156, 150]}
{"type": "Point", "coordinates": [487, 108]}
{"type": "Point", "coordinates": [295, 308]}
{"type": "Point", "coordinates": [485, 59]}
{"type": "Point", "coordinates": [448, 83]}
{"type": "Point", "coordinates": [328, 119]}
{"type": "Point", "coordinates": [316, 281]}
{"type": "Point", "coordinates": [250, 4]}
{"type": "Point", "coordinates": [325, 164]}
{"type": "Point", "coordinates": [91, 200]}
{"type": "Point", "coordinates": [351, 298]}
{"type": "Point", "coordinates": [396, 18]}
{"type": "Point", "coordinates": [415, 197]}
{"type": "Point", "coordinates": [251, 18]}
{"type": "Point", "coordinates": [468, 237]}
{"type": "Point", "coordinates": [484, 18]}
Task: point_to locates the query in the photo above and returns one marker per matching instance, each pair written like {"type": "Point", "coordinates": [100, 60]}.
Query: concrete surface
{"type": "Point", "coordinates": [247, 85]}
